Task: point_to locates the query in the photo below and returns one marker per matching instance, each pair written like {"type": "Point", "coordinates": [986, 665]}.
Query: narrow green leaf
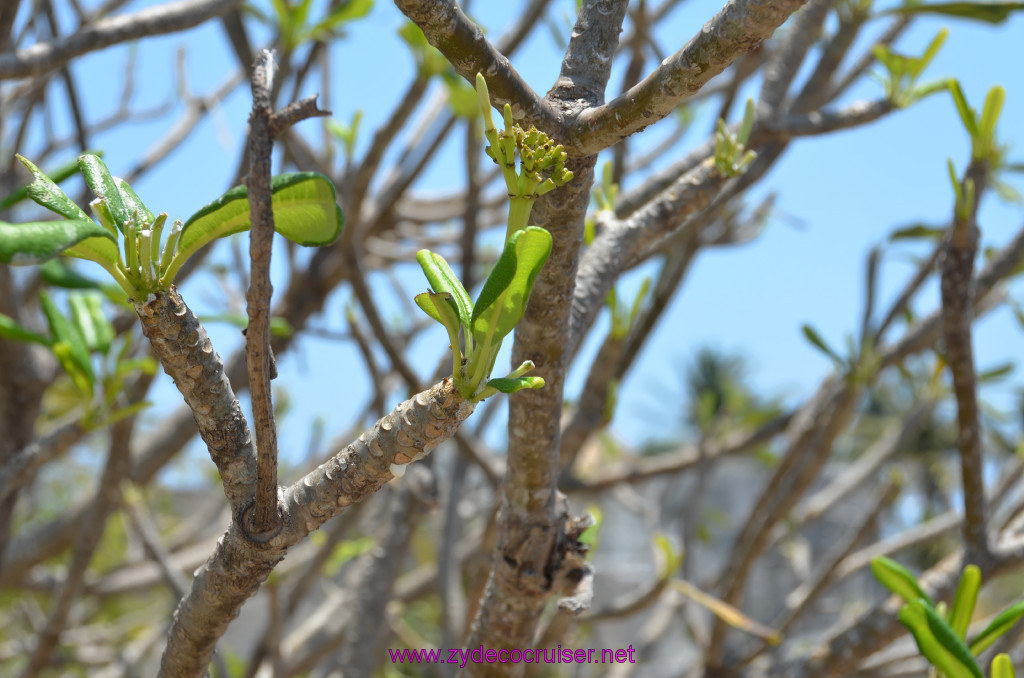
{"type": "Point", "coordinates": [996, 373]}
{"type": "Point", "coordinates": [967, 114]}
{"type": "Point", "coordinates": [1002, 623]}
{"type": "Point", "coordinates": [812, 336]}
{"type": "Point", "coordinates": [73, 369]}
{"type": "Point", "coordinates": [437, 306]}
{"type": "Point", "coordinates": [10, 329]}
{"type": "Point", "coordinates": [990, 112]}
{"type": "Point", "coordinates": [304, 207]}
{"type": "Point", "coordinates": [346, 12]}
{"type": "Point", "coordinates": [949, 640]}
{"type": "Point", "coordinates": [58, 175]}
{"type": "Point", "coordinates": [1001, 667]}
{"type": "Point", "coordinates": [279, 326]}
{"type": "Point", "coordinates": [914, 617]}
{"type": "Point", "coordinates": [67, 333]}
{"type": "Point", "coordinates": [99, 179]}
{"type": "Point", "coordinates": [45, 192]}
{"type": "Point", "coordinates": [917, 231]}
{"type": "Point", "coordinates": [442, 279]}
{"type": "Point", "coordinates": [964, 599]}
{"type": "Point", "coordinates": [38, 241]}
{"type": "Point", "coordinates": [87, 314]}
{"type": "Point", "coordinates": [898, 579]}
{"type": "Point", "coordinates": [933, 47]}
{"type": "Point", "coordinates": [507, 289]}
{"type": "Point", "coordinates": [990, 12]}
{"type": "Point", "coordinates": [511, 385]}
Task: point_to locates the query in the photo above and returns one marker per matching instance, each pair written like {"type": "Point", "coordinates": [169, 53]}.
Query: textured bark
{"type": "Point", "coordinates": [240, 564]}
{"type": "Point", "coordinates": [184, 350]}
{"type": "Point", "coordinates": [741, 26]}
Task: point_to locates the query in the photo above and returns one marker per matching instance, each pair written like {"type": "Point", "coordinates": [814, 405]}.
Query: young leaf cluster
{"type": "Point", "coordinates": [940, 634]}
{"type": "Point", "coordinates": [902, 72]}
{"type": "Point", "coordinates": [480, 327]}
{"type": "Point", "coordinates": [731, 154]}
{"type": "Point", "coordinates": [137, 247]}
{"type": "Point", "coordinates": [83, 342]}
{"type": "Point", "coordinates": [541, 166]}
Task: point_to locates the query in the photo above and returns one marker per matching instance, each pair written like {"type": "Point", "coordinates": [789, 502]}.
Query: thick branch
{"type": "Point", "coordinates": [160, 20]}
{"type": "Point", "coordinates": [741, 26]}
{"type": "Point", "coordinates": [184, 350]}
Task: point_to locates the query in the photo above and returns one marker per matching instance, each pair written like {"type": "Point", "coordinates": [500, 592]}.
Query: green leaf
{"type": "Point", "coordinates": [443, 280]}
{"type": "Point", "coordinates": [507, 289]}
{"type": "Point", "coordinates": [98, 177]}
{"type": "Point", "coordinates": [10, 329]}
{"type": "Point", "coordinates": [950, 641]}
{"type": "Point", "coordinates": [279, 326]}
{"type": "Point", "coordinates": [812, 336]}
{"type": "Point", "coordinates": [991, 12]}
{"type": "Point", "coordinates": [38, 241]}
{"type": "Point", "coordinates": [915, 616]}
{"type": "Point", "coordinates": [133, 203]}
{"type": "Point", "coordinates": [70, 335]}
{"type": "Point", "coordinates": [440, 308]}
{"type": "Point", "coordinates": [917, 231]}
{"type": "Point", "coordinates": [348, 11]}
{"type": "Point", "coordinates": [990, 112]}
{"type": "Point", "coordinates": [1001, 667]}
{"type": "Point", "coordinates": [967, 114]}
{"type": "Point", "coordinates": [963, 602]}
{"type": "Point", "coordinates": [1002, 623]}
{"type": "Point", "coordinates": [304, 207]}
{"type": "Point", "coordinates": [43, 191]}
{"type": "Point", "coordinates": [58, 175]}
{"type": "Point", "coordinates": [996, 373]}
{"type": "Point", "coordinates": [507, 385]}
{"type": "Point", "coordinates": [898, 579]}
{"type": "Point", "coordinates": [87, 313]}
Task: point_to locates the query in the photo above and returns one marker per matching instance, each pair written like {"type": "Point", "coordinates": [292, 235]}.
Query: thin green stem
{"type": "Point", "coordinates": [519, 209]}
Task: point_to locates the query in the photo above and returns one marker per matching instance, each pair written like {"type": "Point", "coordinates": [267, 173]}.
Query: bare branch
{"type": "Point", "coordinates": [160, 20]}
{"type": "Point", "coordinates": [741, 26]}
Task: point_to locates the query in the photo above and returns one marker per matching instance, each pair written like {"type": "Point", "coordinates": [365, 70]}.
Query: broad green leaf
{"type": "Point", "coordinates": [1003, 622]}
{"type": "Point", "coordinates": [898, 579]}
{"type": "Point", "coordinates": [507, 289]}
{"type": "Point", "coordinates": [99, 179]}
{"type": "Point", "coordinates": [963, 602]}
{"type": "Point", "coordinates": [58, 175]}
{"type": "Point", "coordinates": [442, 279]}
{"type": "Point", "coordinates": [66, 332]}
{"type": "Point", "coordinates": [10, 329]}
{"type": "Point", "coordinates": [915, 616]}
{"type": "Point", "coordinates": [991, 12]}
{"type": "Point", "coordinates": [43, 191]}
{"type": "Point", "coordinates": [1001, 667]}
{"type": "Point", "coordinates": [511, 385]}
{"type": "Point", "coordinates": [304, 207]}
{"type": "Point", "coordinates": [38, 241]}
{"type": "Point", "coordinates": [950, 641]}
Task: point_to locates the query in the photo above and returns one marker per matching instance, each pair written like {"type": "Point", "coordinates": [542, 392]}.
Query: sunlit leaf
{"type": "Point", "coordinates": [39, 241]}
{"type": "Point", "coordinates": [990, 12]}
{"type": "Point", "coordinates": [1002, 623]}
{"type": "Point", "coordinates": [443, 280]}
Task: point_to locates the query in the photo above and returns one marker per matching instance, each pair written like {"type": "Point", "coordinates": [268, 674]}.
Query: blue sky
{"type": "Point", "coordinates": [838, 196]}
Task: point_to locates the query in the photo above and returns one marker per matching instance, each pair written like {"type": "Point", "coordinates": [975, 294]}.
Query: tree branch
{"type": "Point", "coordinates": [171, 17]}
{"type": "Point", "coordinates": [741, 26]}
